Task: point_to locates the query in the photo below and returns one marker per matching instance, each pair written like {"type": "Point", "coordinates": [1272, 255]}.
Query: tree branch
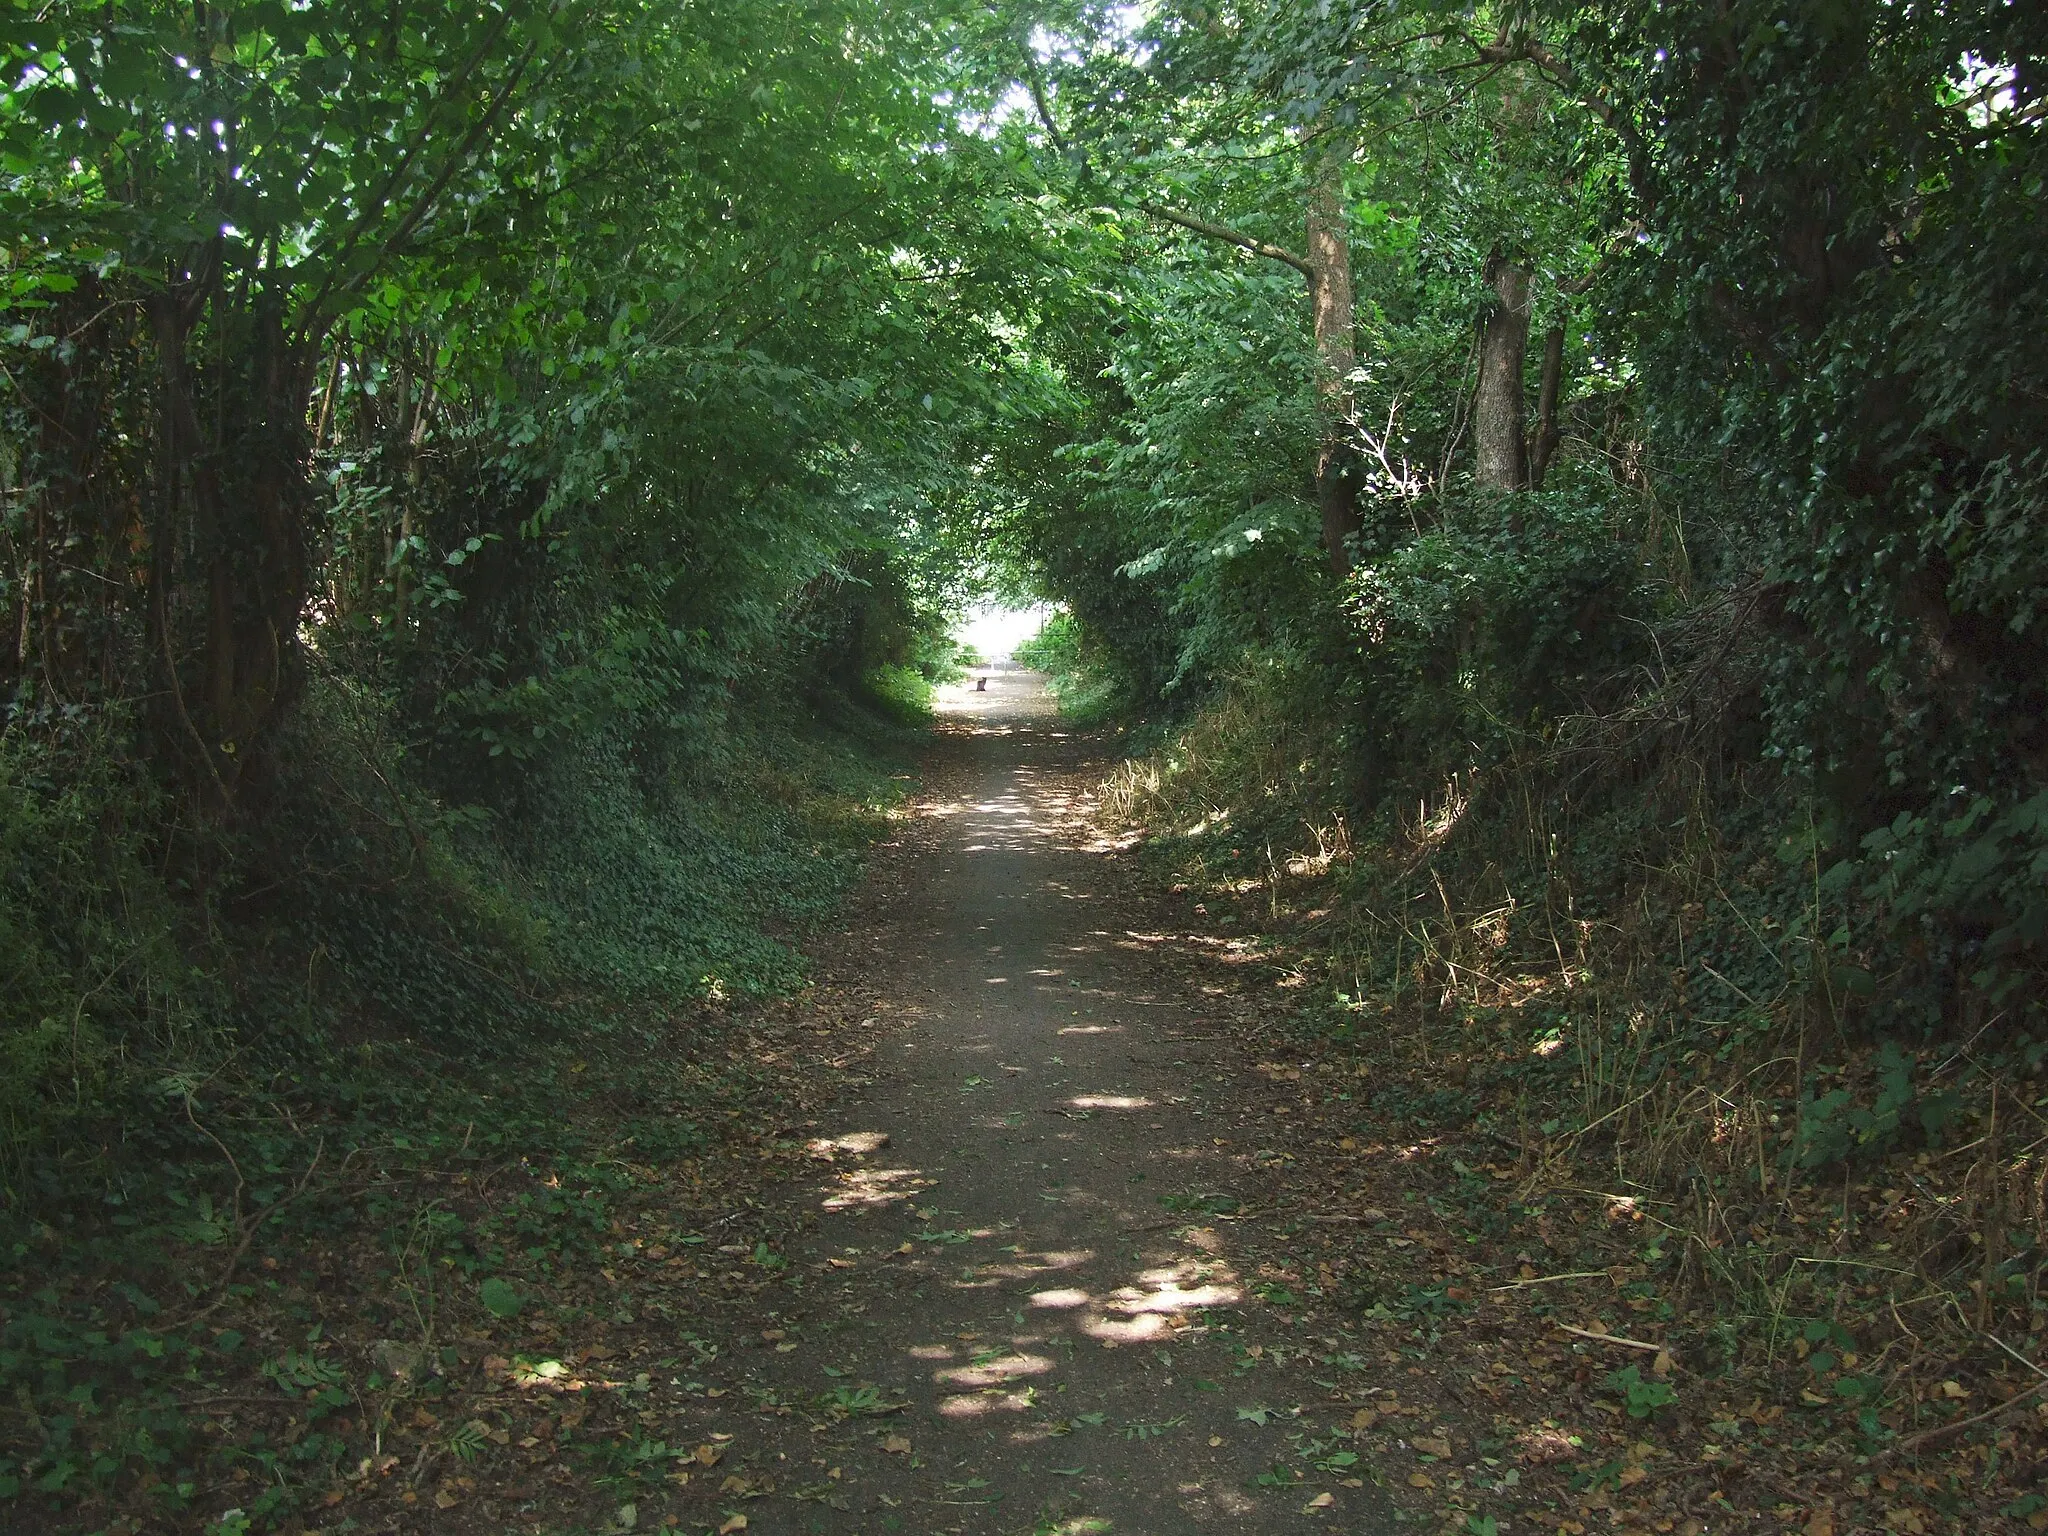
{"type": "Point", "coordinates": [376, 205]}
{"type": "Point", "coordinates": [1036, 81]}
{"type": "Point", "coordinates": [457, 162]}
{"type": "Point", "coordinates": [1559, 72]}
{"type": "Point", "coordinates": [1229, 236]}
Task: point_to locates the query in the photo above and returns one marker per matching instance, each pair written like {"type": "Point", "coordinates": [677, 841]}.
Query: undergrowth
{"type": "Point", "coordinates": [1664, 997]}
{"type": "Point", "coordinates": [276, 1112]}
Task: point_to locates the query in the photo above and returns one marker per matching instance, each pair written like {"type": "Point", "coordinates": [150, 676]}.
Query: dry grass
{"type": "Point", "coordinates": [1462, 946]}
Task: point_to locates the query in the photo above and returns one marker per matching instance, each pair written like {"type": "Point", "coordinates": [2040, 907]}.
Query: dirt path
{"type": "Point", "coordinates": [1043, 1263]}
{"type": "Point", "coordinates": [1049, 1211]}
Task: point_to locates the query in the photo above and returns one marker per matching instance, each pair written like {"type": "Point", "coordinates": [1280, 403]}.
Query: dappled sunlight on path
{"type": "Point", "coordinates": [1031, 1237]}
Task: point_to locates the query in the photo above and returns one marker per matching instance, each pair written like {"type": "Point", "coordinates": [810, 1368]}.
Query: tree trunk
{"type": "Point", "coordinates": [228, 560]}
{"type": "Point", "coordinates": [1327, 266]}
{"type": "Point", "coordinates": [1329, 287]}
{"type": "Point", "coordinates": [1546, 405]}
{"type": "Point", "coordinates": [1497, 415]}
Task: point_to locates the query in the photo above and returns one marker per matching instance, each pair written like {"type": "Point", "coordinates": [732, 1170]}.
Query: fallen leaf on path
{"type": "Point", "coordinates": [1421, 1480]}
{"type": "Point", "coordinates": [897, 1445]}
{"type": "Point", "coordinates": [736, 1523]}
{"type": "Point", "coordinates": [1320, 1501]}
{"type": "Point", "coordinates": [707, 1455]}
{"type": "Point", "coordinates": [1433, 1445]}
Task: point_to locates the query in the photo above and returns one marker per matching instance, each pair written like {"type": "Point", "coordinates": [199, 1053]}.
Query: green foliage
{"type": "Point", "coordinates": [450, 544]}
{"type": "Point", "coordinates": [672, 886]}
{"type": "Point", "coordinates": [1983, 869]}
{"type": "Point", "coordinates": [1865, 381]}
{"type": "Point", "coordinates": [1083, 676]}
{"type": "Point", "coordinates": [904, 692]}
{"type": "Point", "coordinates": [1793, 505]}
{"type": "Point", "coordinates": [500, 1297]}
{"type": "Point", "coordinates": [1056, 648]}
{"type": "Point", "coordinates": [1834, 1126]}
{"type": "Point", "coordinates": [1643, 1399]}
{"type": "Point", "coordinates": [1472, 633]}
{"type": "Point", "coordinates": [94, 969]}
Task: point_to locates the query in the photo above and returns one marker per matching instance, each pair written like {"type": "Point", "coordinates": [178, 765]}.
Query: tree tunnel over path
{"type": "Point", "coordinates": [1503, 994]}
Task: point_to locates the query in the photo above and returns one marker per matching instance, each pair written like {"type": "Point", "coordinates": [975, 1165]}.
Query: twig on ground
{"type": "Point", "coordinates": [1508, 1143]}
{"type": "Point", "coordinates": [1616, 1338]}
{"type": "Point", "coordinates": [249, 1228]}
{"type": "Point", "coordinates": [268, 1400]}
{"type": "Point", "coordinates": [1912, 1443]}
{"type": "Point", "coordinates": [1994, 1338]}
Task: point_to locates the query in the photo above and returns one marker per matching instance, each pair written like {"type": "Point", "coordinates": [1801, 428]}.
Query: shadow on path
{"type": "Point", "coordinates": [1039, 1262]}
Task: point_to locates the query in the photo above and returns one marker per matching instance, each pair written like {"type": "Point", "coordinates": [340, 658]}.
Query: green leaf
{"type": "Point", "coordinates": [500, 1297]}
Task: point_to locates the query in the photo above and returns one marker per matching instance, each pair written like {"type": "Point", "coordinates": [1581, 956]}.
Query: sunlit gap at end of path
{"type": "Point", "coordinates": [995, 630]}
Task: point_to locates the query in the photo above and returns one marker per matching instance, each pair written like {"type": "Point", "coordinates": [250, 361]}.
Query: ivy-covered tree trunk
{"type": "Point", "coordinates": [227, 570]}
{"type": "Point", "coordinates": [1544, 445]}
{"type": "Point", "coordinates": [1330, 298]}
{"type": "Point", "coordinates": [1497, 414]}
